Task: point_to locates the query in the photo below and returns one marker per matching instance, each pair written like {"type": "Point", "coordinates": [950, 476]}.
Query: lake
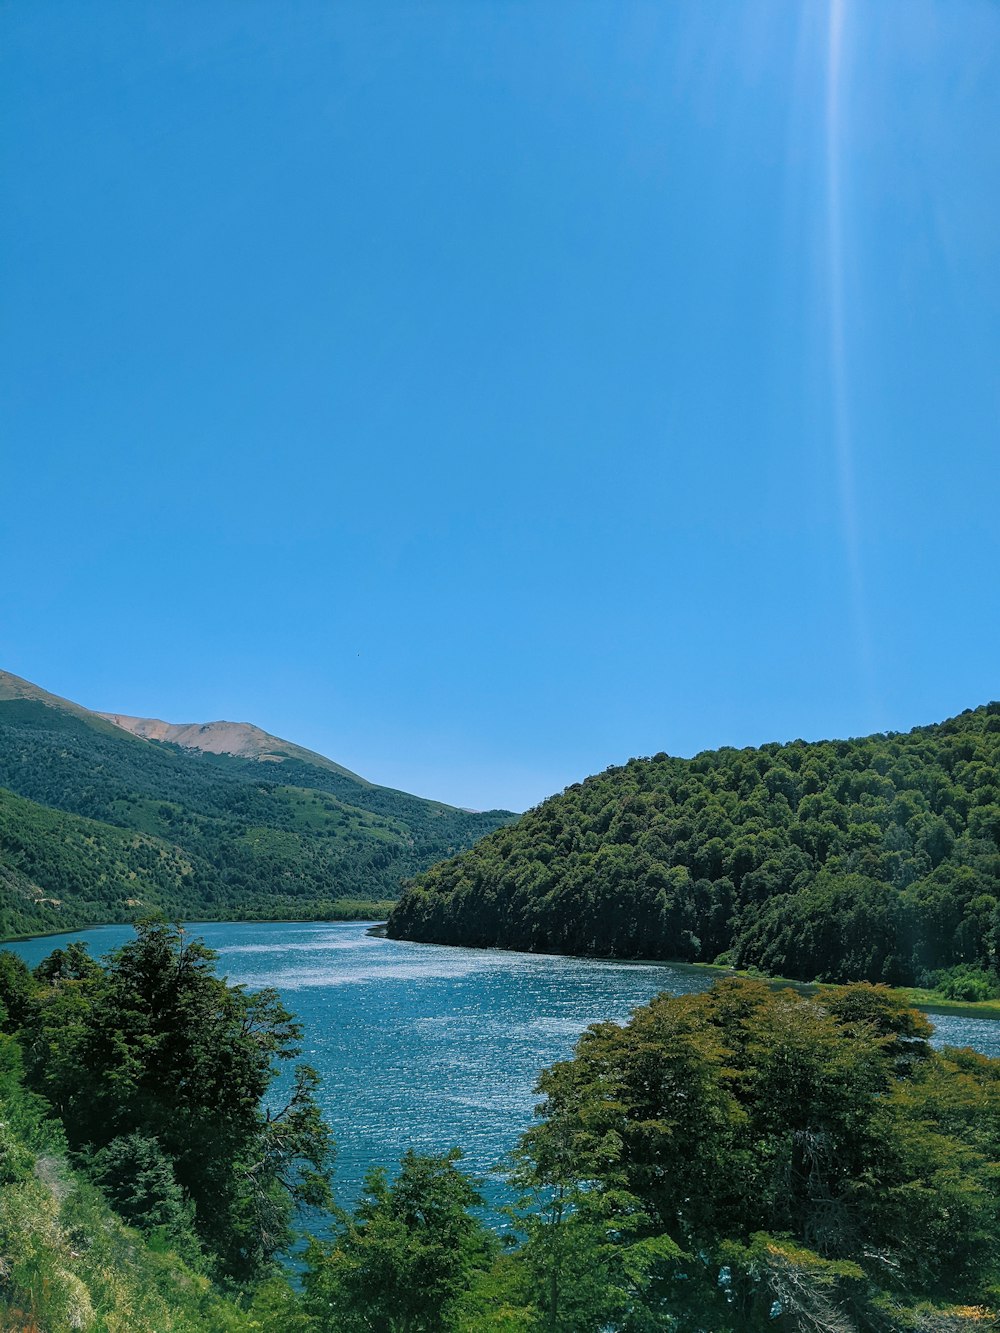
{"type": "Point", "coordinates": [426, 1046]}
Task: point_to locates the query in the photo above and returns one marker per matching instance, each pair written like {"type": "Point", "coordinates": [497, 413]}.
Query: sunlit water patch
{"type": "Point", "coordinates": [426, 1047]}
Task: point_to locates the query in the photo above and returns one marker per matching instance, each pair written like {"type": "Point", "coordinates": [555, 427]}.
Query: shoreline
{"type": "Point", "coordinates": [915, 996]}
{"type": "Point", "coordinates": [197, 921]}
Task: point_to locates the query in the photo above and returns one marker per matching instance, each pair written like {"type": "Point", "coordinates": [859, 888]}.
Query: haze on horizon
{"type": "Point", "coordinates": [482, 395]}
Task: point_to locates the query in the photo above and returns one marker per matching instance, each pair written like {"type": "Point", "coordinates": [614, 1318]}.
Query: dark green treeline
{"type": "Point", "coordinates": [874, 859]}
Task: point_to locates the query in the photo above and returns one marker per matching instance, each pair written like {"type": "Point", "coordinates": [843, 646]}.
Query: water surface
{"type": "Point", "coordinates": [424, 1046]}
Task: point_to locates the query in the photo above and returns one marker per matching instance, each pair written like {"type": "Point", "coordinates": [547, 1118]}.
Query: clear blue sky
{"type": "Point", "coordinates": [483, 393]}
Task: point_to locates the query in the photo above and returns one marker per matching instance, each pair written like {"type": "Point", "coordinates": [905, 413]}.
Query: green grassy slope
{"type": "Point", "coordinates": [110, 824]}
{"type": "Point", "coordinates": [875, 858]}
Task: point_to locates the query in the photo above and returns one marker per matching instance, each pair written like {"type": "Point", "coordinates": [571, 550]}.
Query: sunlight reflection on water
{"type": "Point", "coordinates": [427, 1047]}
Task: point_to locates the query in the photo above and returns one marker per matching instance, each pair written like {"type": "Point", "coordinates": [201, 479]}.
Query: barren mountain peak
{"type": "Point", "coordinates": [242, 739]}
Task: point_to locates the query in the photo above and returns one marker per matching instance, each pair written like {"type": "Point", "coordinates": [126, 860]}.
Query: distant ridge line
{"type": "Point", "coordinates": [244, 740]}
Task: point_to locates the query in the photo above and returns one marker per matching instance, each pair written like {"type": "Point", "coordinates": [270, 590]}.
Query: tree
{"type": "Point", "coordinates": [17, 992]}
{"type": "Point", "coordinates": [137, 1179]}
{"type": "Point", "coordinates": [403, 1260]}
{"type": "Point", "coordinates": [746, 1156]}
{"type": "Point", "coordinates": [154, 1048]}
{"type": "Point", "coordinates": [73, 963]}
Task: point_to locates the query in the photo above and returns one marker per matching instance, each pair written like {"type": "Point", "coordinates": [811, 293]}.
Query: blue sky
{"type": "Point", "coordinates": [485, 393]}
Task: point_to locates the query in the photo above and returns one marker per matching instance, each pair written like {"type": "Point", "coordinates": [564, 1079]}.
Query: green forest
{"type": "Point", "coordinates": [98, 825]}
{"type": "Point", "coordinates": [743, 1159]}
{"type": "Point", "coordinates": [873, 859]}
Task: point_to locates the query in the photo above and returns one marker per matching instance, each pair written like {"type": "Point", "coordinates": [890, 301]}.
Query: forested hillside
{"type": "Point", "coordinates": [875, 858]}
{"type": "Point", "coordinates": [109, 824]}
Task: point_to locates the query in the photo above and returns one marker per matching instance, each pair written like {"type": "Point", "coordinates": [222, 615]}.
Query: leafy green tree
{"type": "Point", "coordinates": [18, 992]}
{"type": "Point", "coordinates": [73, 963]}
{"type": "Point", "coordinates": [137, 1179]}
{"type": "Point", "coordinates": [406, 1257]}
{"type": "Point", "coordinates": [153, 1047]}
{"type": "Point", "coordinates": [966, 982]}
{"type": "Point", "coordinates": [588, 1257]}
{"type": "Point", "coordinates": [748, 1159]}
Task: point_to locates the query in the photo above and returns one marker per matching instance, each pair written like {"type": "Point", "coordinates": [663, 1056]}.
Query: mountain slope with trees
{"type": "Point", "coordinates": [876, 858]}
{"type": "Point", "coordinates": [97, 824]}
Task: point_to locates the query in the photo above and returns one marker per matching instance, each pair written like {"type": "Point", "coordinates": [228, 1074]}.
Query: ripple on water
{"type": "Point", "coordinates": [427, 1047]}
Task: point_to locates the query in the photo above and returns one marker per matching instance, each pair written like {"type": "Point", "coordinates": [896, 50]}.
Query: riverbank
{"type": "Point", "coordinates": [917, 997]}
{"type": "Point", "coordinates": [927, 1001]}
{"type": "Point", "coordinates": [344, 910]}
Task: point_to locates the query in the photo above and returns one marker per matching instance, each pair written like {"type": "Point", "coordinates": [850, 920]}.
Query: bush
{"type": "Point", "coordinates": [969, 983]}
{"type": "Point", "coordinates": [137, 1179]}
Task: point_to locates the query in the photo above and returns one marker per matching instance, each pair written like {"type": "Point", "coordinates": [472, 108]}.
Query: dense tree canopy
{"type": "Point", "coordinates": [873, 859]}
{"type": "Point", "coordinates": [748, 1159]}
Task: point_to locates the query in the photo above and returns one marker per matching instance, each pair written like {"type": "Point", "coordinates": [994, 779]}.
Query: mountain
{"type": "Point", "coordinates": [876, 858]}
{"type": "Point", "coordinates": [241, 739]}
{"type": "Point", "coordinates": [14, 689]}
{"type": "Point", "coordinates": [100, 822]}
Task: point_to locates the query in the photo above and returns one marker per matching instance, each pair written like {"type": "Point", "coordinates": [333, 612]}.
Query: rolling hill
{"type": "Point", "coordinates": [876, 858]}
{"type": "Point", "coordinates": [99, 822]}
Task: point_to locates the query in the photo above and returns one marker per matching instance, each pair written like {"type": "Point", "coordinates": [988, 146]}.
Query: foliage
{"type": "Point", "coordinates": [737, 1161]}
{"type": "Point", "coordinates": [67, 1262]}
{"type": "Point", "coordinates": [99, 825]}
{"type": "Point", "coordinates": [967, 982]}
{"type": "Point", "coordinates": [748, 1159]}
{"type": "Point", "coordinates": [158, 1070]}
{"type": "Point", "coordinates": [873, 859]}
{"type": "Point", "coordinates": [407, 1256]}
{"type": "Point", "coordinates": [137, 1178]}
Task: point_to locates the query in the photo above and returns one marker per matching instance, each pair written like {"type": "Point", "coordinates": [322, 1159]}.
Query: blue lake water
{"type": "Point", "coordinates": [428, 1047]}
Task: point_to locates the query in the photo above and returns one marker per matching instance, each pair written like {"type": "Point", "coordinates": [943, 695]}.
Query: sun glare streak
{"type": "Point", "coordinates": [843, 449]}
